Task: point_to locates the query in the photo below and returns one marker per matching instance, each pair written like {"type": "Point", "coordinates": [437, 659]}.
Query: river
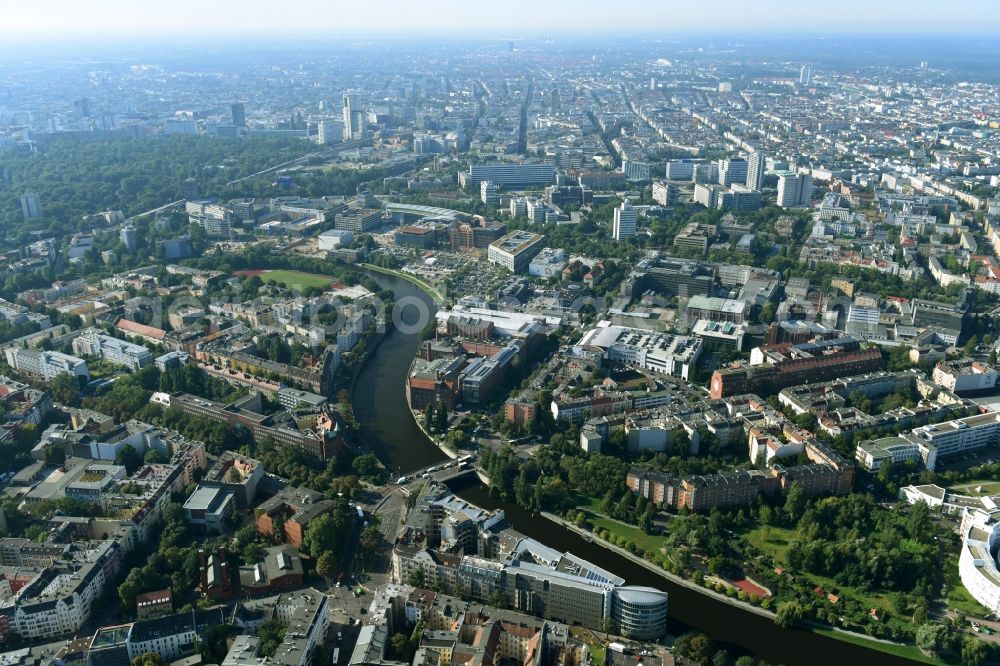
{"type": "Point", "coordinates": [380, 407]}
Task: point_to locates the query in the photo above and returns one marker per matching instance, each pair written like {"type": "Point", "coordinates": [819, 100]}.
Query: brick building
{"type": "Point", "coordinates": [771, 377]}
{"type": "Point", "coordinates": [831, 474]}
{"type": "Point", "coordinates": [291, 510]}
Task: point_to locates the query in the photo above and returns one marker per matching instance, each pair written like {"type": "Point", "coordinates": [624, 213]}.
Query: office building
{"type": "Point", "coordinates": [717, 309]}
{"type": "Point", "coordinates": [636, 172]}
{"type": "Point", "coordinates": [31, 207]}
{"type": "Point", "coordinates": [755, 171]}
{"type": "Point", "coordinates": [794, 190]}
{"type": "Point", "coordinates": [664, 194]}
{"type": "Point", "coordinates": [355, 120]}
{"type": "Point", "coordinates": [739, 198]}
{"type": "Point", "coordinates": [474, 236]}
{"type": "Point", "coordinates": [658, 352]}
{"type": "Point", "coordinates": [239, 114]}
{"type": "Point", "coordinates": [805, 75]}
{"type": "Point", "coordinates": [515, 250]}
{"type": "Point", "coordinates": [977, 563]}
{"type": "Point", "coordinates": [732, 170]}
{"type": "Point", "coordinates": [329, 131]}
{"type": "Point", "coordinates": [896, 451]}
{"type": "Point", "coordinates": [358, 220]}
{"type": "Point", "coordinates": [707, 194]}
{"type": "Point", "coordinates": [509, 175]}
{"type": "Point", "coordinates": [548, 263]}
{"type": "Point", "coordinates": [489, 193]}
{"type": "Point", "coordinates": [673, 277]}
{"type": "Point", "coordinates": [292, 398]}
{"type": "Point", "coordinates": [623, 227]}
{"type": "Point", "coordinates": [680, 170]}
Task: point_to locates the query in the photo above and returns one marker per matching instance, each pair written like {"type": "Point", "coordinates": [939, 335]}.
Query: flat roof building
{"type": "Point", "coordinates": [516, 250]}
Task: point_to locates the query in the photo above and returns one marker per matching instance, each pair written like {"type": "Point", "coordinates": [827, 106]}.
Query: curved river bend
{"type": "Point", "coordinates": [379, 402]}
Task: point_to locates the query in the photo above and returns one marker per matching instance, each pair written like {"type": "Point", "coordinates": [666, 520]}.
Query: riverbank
{"type": "Point", "coordinates": [444, 449]}
{"type": "Point", "coordinates": [881, 645]}
{"type": "Point", "coordinates": [674, 578]}
{"type": "Point", "coordinates": [412, 279]}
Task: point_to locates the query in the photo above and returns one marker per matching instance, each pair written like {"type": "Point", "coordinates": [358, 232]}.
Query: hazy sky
{"type": "Point", "coordinates": [84, 18]}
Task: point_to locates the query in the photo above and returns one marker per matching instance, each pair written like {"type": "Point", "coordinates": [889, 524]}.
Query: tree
{"type": "Point", "coordinates": [428, 417]}
{"type": "Point", "coordinates": [919, 523]}
{"type": "Point", "coordinates": [441, 418]}
{"type": "Point", "coordinates": [932, 638]}
{"type": "Point", "coordinates": [367, 467]}
{"type": "Point", "coordinates": [720, 658]}
{"type": "Point", "coordinates": [154, 457]}
{"type": "Point", "coordinates": [695, 646]}
{"type": "Point", "coordinates": [129, 458]}
{"type": "Point", "coordinates": [326, 566]}
{"type": "Point", "coordinates": [885, 472]}
{"type": "Point", "coordinates": [973, 652]}
{"type": "Point", "coordinates": [646, 520]}
{"type": "Point", "coordinates": [149, 659]}
{"type": "Point", "coordinates": [213, 643]}
{"type": "Point", "coordinates": [271, 633]}
{"type": "Point", "coordinates": [796, 502]}
{"type": "Point", "coordinates": [416, 578]}
{"type": "Point", "coordinates": [400, 645]}
{"type": "Point", "coordinates": [789, 614]}
{"type": "Point", "coordinates": [322, 535]}
{"type": "Point", "coordinates": [65, 389]}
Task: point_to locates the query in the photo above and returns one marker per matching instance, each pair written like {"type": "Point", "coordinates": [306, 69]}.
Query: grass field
{"type": "Point", "coordinates": [297, 278]}
{"type": "Point", "coordinates": [648, 542]}
{"type": "Point", "coordinates": [906, 651]}
{"type": "Point", "coordinates": [773, 541]}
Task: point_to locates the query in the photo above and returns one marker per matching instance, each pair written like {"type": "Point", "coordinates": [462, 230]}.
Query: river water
{"type": "Point", "coordinates": [379, 402]}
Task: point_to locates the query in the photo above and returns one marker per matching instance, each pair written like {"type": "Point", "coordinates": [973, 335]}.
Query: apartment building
{"type": "Point", "coordinates": [45, 364]}
{"type": "Point", "coordinates": [92, 342]}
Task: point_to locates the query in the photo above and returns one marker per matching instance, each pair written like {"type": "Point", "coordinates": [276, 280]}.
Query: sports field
{"type": "Point", "coordinates": [292, 278]}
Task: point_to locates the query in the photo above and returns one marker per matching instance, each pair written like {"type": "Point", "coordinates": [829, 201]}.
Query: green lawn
{"type": "Point", "coordinates": [297, 278]}
{"type": "Point", "coordinates": [648, 542]}
{"type": "Point", "coordinates": [431, 291]}
{"type": "Point", "coordinates": [775, 544]}
{"type": "Point", "coordinates": [906, 651]}
{"type": "Point", "coordinates": [958, 598]}
{"type": "Point", "coordinates": [989, 487]}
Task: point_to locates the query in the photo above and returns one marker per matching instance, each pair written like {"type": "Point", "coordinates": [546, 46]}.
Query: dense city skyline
{"type": "Point", "coordinates": [408, 334]}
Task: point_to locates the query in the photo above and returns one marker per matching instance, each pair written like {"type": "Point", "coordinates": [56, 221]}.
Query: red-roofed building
{"type": "Point", "coordinates": [134, 329]}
